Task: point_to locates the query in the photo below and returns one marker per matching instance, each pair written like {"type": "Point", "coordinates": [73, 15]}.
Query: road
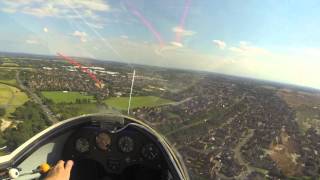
{"type": "Point", "coordinates": [180, 102]}
{"type": "Point", "coordinates": [37, 100]}
{"type": "Point", "coordinates": [204, 121]}
{"type": "Point", "coordinates": [238, 155]}
{"type": "Point", "coordinates": [237, 150]}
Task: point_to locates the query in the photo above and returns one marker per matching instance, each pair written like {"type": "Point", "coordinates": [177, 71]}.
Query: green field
{"type": "Point", "coordinates": [121, 103]}
{"type": "Point", "coordinates": [308, 117]}
{"type": "Point", "coordinates": [11, 98]}
{"type": "Point", "coordinates": [8, 64]}
{"type": "Point", "coordinates": [65, 97]}
{"type": "Point", "coordinates": [12, 82]}
{"type": "Point", "coordinates": [8, 76]}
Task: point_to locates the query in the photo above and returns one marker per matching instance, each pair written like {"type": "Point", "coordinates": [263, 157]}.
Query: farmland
{"type": "Point", "coordinates": [11, 98]}
{"type": "Point", "coordinates": [121, 103]}
{"type": "Point", "coordinates": [7, 76]}
{"type": "Point", "coordinates": [65, 97]}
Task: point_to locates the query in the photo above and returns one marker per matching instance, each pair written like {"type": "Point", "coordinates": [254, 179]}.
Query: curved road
{"type": "Point", "coordinates": [238, 155]}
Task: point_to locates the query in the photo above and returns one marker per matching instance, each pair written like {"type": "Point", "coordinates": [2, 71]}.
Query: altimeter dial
{"type": "Point", "coordinates": [126, 144]}
{"type": "Point", "coordinates": [82, 145]}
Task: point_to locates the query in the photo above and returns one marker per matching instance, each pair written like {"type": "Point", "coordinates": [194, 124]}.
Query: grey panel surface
{"type": "Point", "coordinates": [49, 153]}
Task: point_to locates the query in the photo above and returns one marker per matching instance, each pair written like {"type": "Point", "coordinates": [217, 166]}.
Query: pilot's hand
{"type": "Point", "coordinates": [61, 171]}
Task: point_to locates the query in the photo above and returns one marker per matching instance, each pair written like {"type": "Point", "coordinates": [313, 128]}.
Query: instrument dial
{"type": "Point", "coordinates": [103, 141]}
{"type": "Point", "coordinates": [126, 144]}
{"type": "Point", "coordinates": [82, 145]}
{"type": "Point", "coordinates": [150, 152]}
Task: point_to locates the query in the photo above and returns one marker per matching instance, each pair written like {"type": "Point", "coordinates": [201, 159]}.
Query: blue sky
{"type": "Point", "coordinates": [273, 40]}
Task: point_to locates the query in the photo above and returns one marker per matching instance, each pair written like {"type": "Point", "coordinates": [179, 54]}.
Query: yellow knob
{"type": "Point", "coordinates": [44, 168]}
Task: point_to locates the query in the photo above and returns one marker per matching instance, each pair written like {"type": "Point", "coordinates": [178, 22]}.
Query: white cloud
{"type": "Point", "coordinates": [176, 44]}
{"type": "Point", "coordinates": [8, 10]}
{"type": "Point", "coordinates": [97, 25]}
{"type": "Point", "coordinates": [72, 9]}
{"type": "Point", "coordinates": [172, 46]}
{"type": "Point", "coordinates": [183, 32]}
{"type": "Point", "coordinates": [244, 43]}
{"type": "Point", "coordinates": [45, 29]}
{"type": "Point", "coordinates": [246, 49]}
{"type": "Point", "coordinates": [81, 35]}
{"type": "Point", "coordinates": [124, 37]}
{"type": "Point", "coordinates": [20, 2]}
{"type": "Point", "coordinates": [97, 5]}
{"type": "Point", "coordinates": [32, 41]}
{"type": "Point", "coordinates": [294, 65]}
{"type": "Point", "coordinates": [220, 44]}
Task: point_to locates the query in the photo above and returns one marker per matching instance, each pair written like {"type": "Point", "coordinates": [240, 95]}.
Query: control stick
{"type": "Point", "coordinates": [14, 173]}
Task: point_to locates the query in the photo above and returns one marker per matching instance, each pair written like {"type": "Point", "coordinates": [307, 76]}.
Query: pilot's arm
{"type": "Point", "coordinates": [61, 171]}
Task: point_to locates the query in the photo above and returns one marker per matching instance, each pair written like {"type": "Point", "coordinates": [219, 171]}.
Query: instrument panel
{"type": "Point", "coordinates": [114, 151]}
{"type": "Point", "coordinates": [126, 144]}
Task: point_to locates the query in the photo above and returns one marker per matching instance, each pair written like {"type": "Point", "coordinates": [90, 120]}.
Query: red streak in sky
{"type": "Point", "coordinates": [146, 23]}
{"type": "Point", "coordinates": [83, 69]}
{"type": "Point", "coordinates": [183, 19]}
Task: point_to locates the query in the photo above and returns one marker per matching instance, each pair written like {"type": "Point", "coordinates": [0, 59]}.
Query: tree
{"type": "Point", "coordinates": [33, 121]}
{"type": "Point", "coordinates": [98, 98]}
{"type": "Point", "coordinates": [78, 101]}
{"type": "Point", "coordinates": [2, 111]}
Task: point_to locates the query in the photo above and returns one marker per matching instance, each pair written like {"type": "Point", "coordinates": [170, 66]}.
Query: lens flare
{"type": "Point", "coordinates": [145, 22]}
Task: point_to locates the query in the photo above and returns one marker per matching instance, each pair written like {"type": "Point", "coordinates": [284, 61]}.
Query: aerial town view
{"type": "Point", "coordinates": [214, 90]}
{"type": "Point", "coordinates": [224, 127]}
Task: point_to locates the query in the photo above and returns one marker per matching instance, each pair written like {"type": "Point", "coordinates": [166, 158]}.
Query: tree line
{"type": "Point", "coordinates": [29, 120]}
